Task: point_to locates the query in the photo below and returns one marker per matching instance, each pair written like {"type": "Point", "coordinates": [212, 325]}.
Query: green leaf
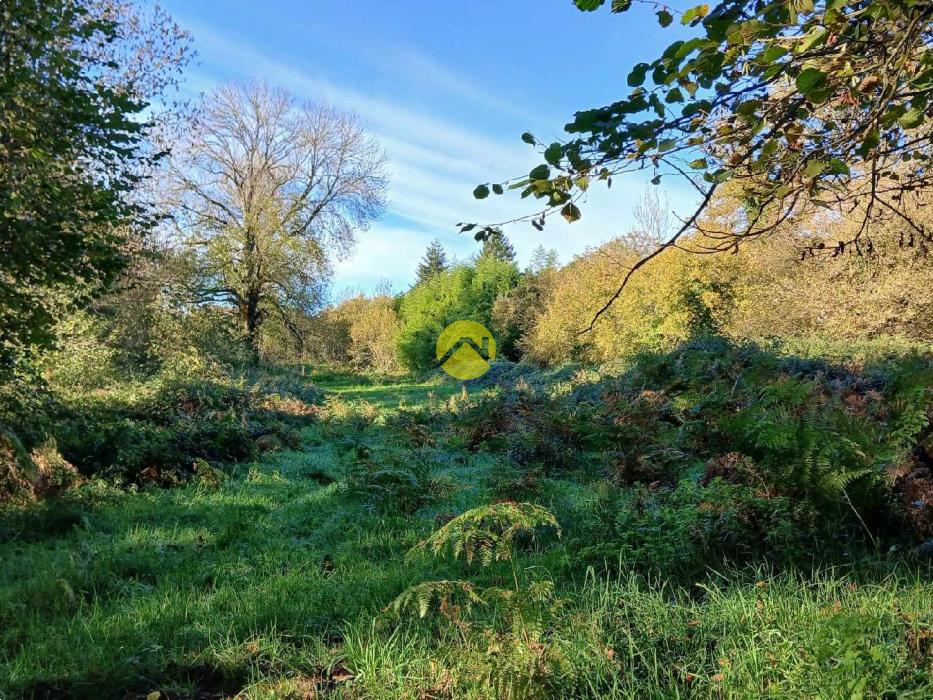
{"type": "Point", "coordinates": [571, 212]}
{"type": "Point", "coordinates": [664, 18]}
{"type": "Point", "coordinates": [588, 5]}
{"type": "Point", "coordinates": [772, 53]}
{"type": "Point", "coordinates": [666, 145]}
{"type": "Point", "coordinates": [871, 142]}
{"type": "Point", "coordinates": [810, 79]}
{"type": "Point", "coordinates": [912, 118]}
{"type": "Point", "coordinates": [812, 39]}
{"type": "Point", "coordinates": [815, 168]}
{"type": "Point", "coordinates": [542, 172]}
{"type": "Point", "coordinates": [698, 164]}
{"type": "Point", "coordinates": [839, 167]}
{"type": "Point", "coordinates": [481, 192]}
{"type": "Point", "coordinates": [695, 14]}
{"type": "Point", "coordinates": [497, 189]}
{"type": "Point", "coordinates": [723, 175]}
{"type": "Point", "coordinates": [528, 138]}
{"type": "Point", "coordinates": [657, 105]}
{"type": "Point", "coordinates": [553, 154]}
{"type": "Point", "coordinates": [637, 76]}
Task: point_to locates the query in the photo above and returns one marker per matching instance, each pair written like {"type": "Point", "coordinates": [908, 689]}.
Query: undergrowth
{"type": "Point", "coordinates": [719, 521]}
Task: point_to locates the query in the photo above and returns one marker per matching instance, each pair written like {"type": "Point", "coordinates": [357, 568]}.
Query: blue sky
{"type": "Point", "coordinates": [447, 88]}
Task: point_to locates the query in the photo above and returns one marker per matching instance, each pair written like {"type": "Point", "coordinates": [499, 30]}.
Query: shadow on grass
{"type": "Point", "coordinates": [200, 590]}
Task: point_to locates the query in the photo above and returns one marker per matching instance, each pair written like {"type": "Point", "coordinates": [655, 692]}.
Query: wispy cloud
{"type": "Point", "coordinates": [444, 80]}
{"type": "Point", "coordinates": [435, 161]}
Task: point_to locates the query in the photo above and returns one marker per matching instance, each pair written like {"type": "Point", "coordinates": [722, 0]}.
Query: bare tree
{"type": "Point", "coordinates": [654, 222]}
{"type": "Point", "coordinates": [267, 192]}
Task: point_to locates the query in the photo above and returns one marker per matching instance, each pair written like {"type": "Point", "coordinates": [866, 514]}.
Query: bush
{"type": "Point", "coordinates": [676, 296]}
{"type": "Point", "coordinates": [155, 432]}
{"type": "Point", "coordinates": [682, 531]}
{"type": "Point", "coordinates": [372, 326]}
{"type": "Point", "coordinates": [464, 292]}
{"type": "Point", "coordinates": [197, 399]}
{"type": "Point", "coordinates": [55, 474]}
{"type": "Point", "coordinates": [391, 480]}
{"type": "Point", "coordinates": [824, 437]}
{"type": "Point", "coordinates": [17, 472]}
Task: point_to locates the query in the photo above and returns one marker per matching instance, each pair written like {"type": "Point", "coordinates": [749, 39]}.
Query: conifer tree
{"type": "Point", "coordinates": [542, 259]}
{"type": "Point", "coordinates": [433, 262]}
{"type": "Point", "coordinates": [497, 246]}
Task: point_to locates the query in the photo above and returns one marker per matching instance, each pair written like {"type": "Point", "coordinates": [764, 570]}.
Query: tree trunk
{"type": "Point", "coordinates": [249, 318]}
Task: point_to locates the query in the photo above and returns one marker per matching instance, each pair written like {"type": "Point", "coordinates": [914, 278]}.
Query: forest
{"type": "Point", "coordinates": [699, 463]}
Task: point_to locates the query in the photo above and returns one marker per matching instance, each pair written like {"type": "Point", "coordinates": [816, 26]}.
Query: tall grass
{"type": "Point", "coordinates": [273, 579]}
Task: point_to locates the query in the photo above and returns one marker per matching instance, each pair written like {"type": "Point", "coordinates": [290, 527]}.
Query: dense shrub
{"type": "Point", "coordinates": [389, 479]}
{"type": "Point", "coordinates": [683, 530]}
{"type": "Point", "coordinates": [374, 326]}
{"type": "Point", "coordinates": [673, 298]}
{"type": "Point", "coordinates": [463, 292]}
{"type": "Point", "coordinates": [122, 444]}
{"type": "Point", "coordinates": [786, 434]}
{"type": "Point", "coordinates": [525, 426]}
{"type": "Point", "coordinates": [154, 432]}
{"type": "Point", "coordinates": [763, 291]}
{"type": "Point", "coordinates": [17, 472]}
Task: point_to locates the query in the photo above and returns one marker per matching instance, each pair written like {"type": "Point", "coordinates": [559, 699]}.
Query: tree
{"type": "Point", "coordinates": [267, 193]}
{"type": "Point", "coordinates": [374, 325]}
{"type": "Point", "coordinates": [462, 292]}
{"type": "Point", "coordinates": [680, 295]}
{"type": "Point", "coordinates": [76, 121]}
{"type": "Point", "coordinates": [804, 104]}
{"type": "Point", "coordinates": [542, 259]}
{"type": "Point", "coordinates": [433, 262]}
{"type": "Point", "coordinates": [497, 246]}
{"type": "Point", "coordinates": [426, 309]}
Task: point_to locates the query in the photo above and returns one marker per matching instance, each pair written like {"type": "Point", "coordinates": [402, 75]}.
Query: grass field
{"type": "Point", "coordinates": [271, 580]}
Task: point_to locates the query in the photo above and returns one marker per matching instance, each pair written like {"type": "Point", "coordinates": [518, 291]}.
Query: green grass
{"type": "Point", "coordinates": [384, 392]}
{"type": "Point", "coordinates": [273, 584]}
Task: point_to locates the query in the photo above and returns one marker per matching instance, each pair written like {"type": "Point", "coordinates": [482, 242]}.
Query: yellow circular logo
{"type": "Point", "coordinates": [465, 349]}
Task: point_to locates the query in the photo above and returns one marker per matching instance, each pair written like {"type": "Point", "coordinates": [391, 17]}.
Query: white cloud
{"type": "Point", "coordinates": [446, 80]}
{"type": "Point", "coordinates": [435, 163]}
{"type": "Point", "coordinates": [383, 255]}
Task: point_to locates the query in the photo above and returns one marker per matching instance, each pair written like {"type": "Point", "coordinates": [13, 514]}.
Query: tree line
{"type": "Point", "coordinates": [541, 313]}
{"type": "Point", "coordinates": [166, 226]}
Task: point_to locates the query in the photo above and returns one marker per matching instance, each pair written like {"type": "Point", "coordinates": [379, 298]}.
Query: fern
{"type": "Point", "coordinates": [488, 533]}
{"type": "Point", "coordinates": [517, 662]}
{"type": "Point", "coordinates": [806, 445]}
{"type": "Point", "coordinates": [527, 609]}
{"type": "Point", "coordinates": [443, 593]}
{"type": "Point", "coordinates": [391, 479]}
{"type": "Point", "coordinates": [915, 404]}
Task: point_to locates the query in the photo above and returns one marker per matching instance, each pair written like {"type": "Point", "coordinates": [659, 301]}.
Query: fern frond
{"type": "Point", "coordinates": [443, 593]}
{"type": "Point", "coordinates": [487, 533]}
{"type": "Point", "coordinates": [837, 482]}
